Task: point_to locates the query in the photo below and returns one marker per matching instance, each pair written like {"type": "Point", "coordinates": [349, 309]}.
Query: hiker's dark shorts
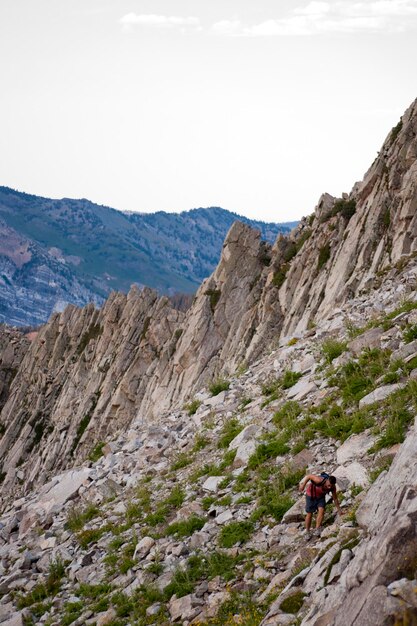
{"type": "Point", "coordinates": [312, 504]}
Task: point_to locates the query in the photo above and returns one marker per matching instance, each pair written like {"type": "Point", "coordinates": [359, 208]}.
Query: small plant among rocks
{"type": "Point", "coordinates": [192, 406]}
{"type": "Point", "coordinates": [235, 532]}
{"type": "Point", "coordinates": [218, 385]}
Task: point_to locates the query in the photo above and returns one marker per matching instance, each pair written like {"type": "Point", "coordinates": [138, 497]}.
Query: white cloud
{"type": "Point", "coordinates": [339, 16]}
{"type": "Point", "coordinates": [159, 21]}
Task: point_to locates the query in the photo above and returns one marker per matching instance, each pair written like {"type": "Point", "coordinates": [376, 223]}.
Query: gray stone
{"type": "Point", "coordinates": [296, 513]}
{"type": "Point", "coordinates": [14, 620]}
{"type": "Point", "coordinates": [143, 547]}
{"type": "Point", "coordinates": [243, 453]}
{"type": "Point", "coordinates": [302, 459]}
{"type": "Point", "coordinates": [246, 434]}
{"type": "Point", "coordinates": [185, 608]}
{"type": "Point", "coordinates": [354, 448]}
{"type": "Point", "coordinates": [379, 394]}
{"type": "Point", "coordinates": [224, 517]}
{"type": "Point", "coordinates": [212, 483]}
{"type": "Point", "coordinates": [354, 473]}
{"type": "Point", "coordinates": [301, 389]}
{"type": "Point", "coordinates": [369, 339]}
{"type": "Point", "coordinates": [404, 351]}
{"type": "Point", "coordinates": [106, 617]}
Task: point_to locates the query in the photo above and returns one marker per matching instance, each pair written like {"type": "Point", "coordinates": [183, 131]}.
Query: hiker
{"type": "Point", "coordinates": [316, 492]}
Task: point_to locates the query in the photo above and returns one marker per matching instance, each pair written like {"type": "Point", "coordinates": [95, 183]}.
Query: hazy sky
{"type": "Point", "coordinates": [257, 106]}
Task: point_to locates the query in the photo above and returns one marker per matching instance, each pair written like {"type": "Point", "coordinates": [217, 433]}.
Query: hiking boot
{"type": "Point", "coordinates": [317, 532]}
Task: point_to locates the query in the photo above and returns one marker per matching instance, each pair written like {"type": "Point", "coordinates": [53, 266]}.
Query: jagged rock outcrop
{"type": "Point", "coordinates": [352, 241]}
{"type": "Point", "coordinates": [82, 379]}
{"type": "Point", "coordinates": [13, 347]}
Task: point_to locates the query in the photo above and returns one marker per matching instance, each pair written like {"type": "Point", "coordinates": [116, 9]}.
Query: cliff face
{"type": "Point", "coordinates": [90, 372]}
{"type": "Point", "coordinates": [352, 242]}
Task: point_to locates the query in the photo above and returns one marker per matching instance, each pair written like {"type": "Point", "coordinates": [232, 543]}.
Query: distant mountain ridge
{"type": "Point", "coordinates": [54, 252]}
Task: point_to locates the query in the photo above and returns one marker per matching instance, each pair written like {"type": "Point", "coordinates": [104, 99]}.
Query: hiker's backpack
{"type": "Point", "coordinates": [324, 477]}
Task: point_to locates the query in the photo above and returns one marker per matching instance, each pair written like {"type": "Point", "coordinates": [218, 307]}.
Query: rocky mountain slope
{"type": "Point", "coordinates": [150, 458]}
{"type": "Point", "coordinates": [144, 358]}
{"type": "Point", "coordinates": [55, 252]}
{"type": "Point", "coordinates": [197, 519]}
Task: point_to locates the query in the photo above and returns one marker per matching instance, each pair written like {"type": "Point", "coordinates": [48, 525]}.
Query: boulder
{"type": "Point", "coordinates": [106, 617]}
{"type": "Point", "coordinates": [301, 389]}
{"type": "Point", "coordinates": [143, 547]}
{"type": "Point", "coordinates": [246, 434]}
{"type": "Point", "coordinates": [185, 608]}
{"type": "Point", "coordinates": [244, 452]}
{"type": "Point", "coordinates": [369, 339]}
{"type": "Point", "coordinates": [354, 473]}
{"type": "Point", "coordinates": [354, 448]}
{"type": "Point", "coordinates": [296, 513]}
{"type": "Point", "coordinates": [302, 459]}
{"type": "Point", "coordinates": [379, 394]}
{"type": "Point", "coordinates": [212, 483]}
{"type": "Point", "coordinates": [224, 517]}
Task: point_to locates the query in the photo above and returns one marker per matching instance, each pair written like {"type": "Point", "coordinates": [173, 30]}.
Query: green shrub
{"type": "Point", "coordinates": [176, 497]}
{"type": "Point", "coordinates": [187, 527]}
{"type": "Point", "coordinates": [290, 251]}
{"type": "Point", "coordinates": [49, 588]}
{"type": "Point", "coordinates": [266, 451]}
{"type": "Point", "coordinates": [182, 460]}
{"type": "Point", "coordinates": [346, 208]}
{"type": "Point", "coordinates": [214, 295]}
{"type": "Point", "coordinates": [410, 333]}
{"type": "Point", "coordinates": [324, 256]}
{"type": "Point", "coordinates": [72, 611]}
{"type": "Point", "coordinates": [331, 349]}
{"type": "Point", "coordinates": [289, 379]}
{"type": "Point", "coordinates": [287, 414]}
{"type": "Point", "coordinates": [235, 532]}
{"type": "Point", "coordinates": [192, 406]}
{"type": "Point", "coordinates": [77, 517]}
{"type": "Point", "coordinates": [158, 516]}
{"type": "Point", "coordinates": [293, 603]}
{"type": "Point", "coordinates": [231, 428]}
{"type": "Point", "coordinates": [398, 419]}
{"type": "Point", "coordinates": [280, 275]}
{"type": "Point", "coordinates": [97, 452]}
{"type": "Point", "coordinates": [381, 467]}
{"type": "Point", "coordinates": [219, 385]}
{"type": "Point", "coordinates": [240, 608]}
{"type": "Point", "coordinates": [396, 131]}
{"type": "Point", "coordinates": [201, 441]}
{"type": "Point", "coordinates": [305, 235]}
{"type": "Point", "coordinates": [357, 378]}
{"type": "Point", "coordinates": [92, 535]}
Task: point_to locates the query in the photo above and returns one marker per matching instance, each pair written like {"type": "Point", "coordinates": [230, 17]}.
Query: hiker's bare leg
{"type": "Point", "coordinates": [308, 520]}
{"type": "Point", "coordinates": [320, 516]}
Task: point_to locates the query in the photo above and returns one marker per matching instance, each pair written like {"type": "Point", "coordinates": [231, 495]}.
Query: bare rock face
{"type": "Point", "coordinates": [13, 347]}
{"type": "Point", "coordinates": [351, 240]}
{"type": "Point", "coordinates": [83, 378]}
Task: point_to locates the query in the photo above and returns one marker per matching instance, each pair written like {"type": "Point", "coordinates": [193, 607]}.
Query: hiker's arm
{"type": "Point", "coordinates": [305, 480]}
{"type": "Point", "coordinates": [336, 501]}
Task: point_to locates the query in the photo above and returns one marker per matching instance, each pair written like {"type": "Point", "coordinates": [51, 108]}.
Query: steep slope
{"type": "Point", "coordinates": [55, 252]}
{"type": "Point", "coordinates": [198, 520]}
{"type": "Point", "coordinates": [89, 373]}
